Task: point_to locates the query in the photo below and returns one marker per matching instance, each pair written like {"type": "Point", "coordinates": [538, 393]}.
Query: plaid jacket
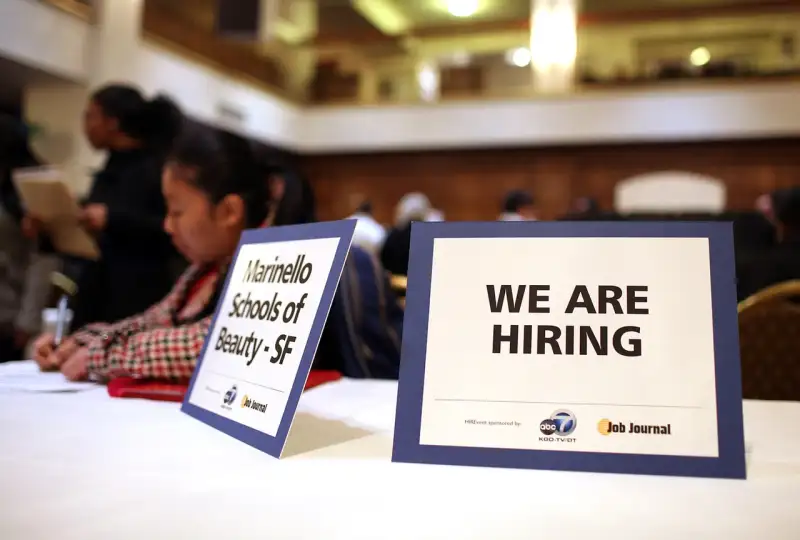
{"type": "Point", "coordinates": [153, 344]}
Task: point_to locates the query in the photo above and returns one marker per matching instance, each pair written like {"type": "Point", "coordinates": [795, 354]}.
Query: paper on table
{"type": "Point", "coordinates": [26, 377]}
{"type": "Point", "coordinates": [45, 195]}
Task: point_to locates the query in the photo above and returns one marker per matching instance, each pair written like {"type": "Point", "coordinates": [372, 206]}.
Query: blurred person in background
{"type": "Point", "coordinates": [394, 254]}
{"type": "Point", "coordinates": [15, 153]}
{"type": "Point", "coordinates": [369, 234]}
{"type": "Point", "coordinates": [753, 232]}
{"type": "Point", "coordinates": [125, 208]}
{"type": "Point", "coordinates": [765, 207]}
{"type": "Point", "coordinates": [361, 338]}
{"type": "Point", "coordinates": [767, 204]}
{"type": "Point", "coordinates": [25, 264]}
{"type": "Point", "coordinates": [291, 198]}
{"type": "Point", "coordinates": [585, 206]}
{"type": "Point", "coordinates": [435, 215]}
{"type": "Point", "coordinates": [584, 209]}
{"type": "Point", "coordinates": [780, 262]}
{"type": "Point", "coordinates": [518, 205]}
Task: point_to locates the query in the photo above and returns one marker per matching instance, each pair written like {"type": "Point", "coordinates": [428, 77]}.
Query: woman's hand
{"type": "Point", "coordinates": [65, 351]}
{"type": "Point", "coordinates": [48, 356]}
{"type": "Point", "coordinates": [76, 368]}
{"type": "Point", "coordinates": [94, 217]}
{"type": "Point", "coordinates": [31, 226]}
{"type": "Point", "coordinates": [43, 348]}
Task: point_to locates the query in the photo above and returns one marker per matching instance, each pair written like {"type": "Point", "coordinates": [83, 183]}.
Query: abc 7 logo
{"type": "Point", "coordinates": [561, 423]}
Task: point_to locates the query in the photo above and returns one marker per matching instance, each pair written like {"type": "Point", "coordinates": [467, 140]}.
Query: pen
{"type": "Point", "coordinates": [68, 288]}
{"type": "Point", "coordinates": [61, 319]}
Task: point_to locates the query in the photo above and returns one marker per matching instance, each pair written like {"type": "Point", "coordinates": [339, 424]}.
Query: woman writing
{"type": "Point", "coordinates": [208, 206]}
{"type": "Point", "coordinates": [124, 209]}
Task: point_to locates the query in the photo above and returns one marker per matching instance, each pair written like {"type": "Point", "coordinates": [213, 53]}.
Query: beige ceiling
{"type": "Point", "coordinates": [339, 16]}
{"type": "Point", "coordinates": [370, 26]}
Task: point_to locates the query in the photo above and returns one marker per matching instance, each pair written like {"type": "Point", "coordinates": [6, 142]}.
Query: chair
{"type": "Point", "coordinates": [399, 285]}
{"type": "Point", "coordinates": [769, 341]}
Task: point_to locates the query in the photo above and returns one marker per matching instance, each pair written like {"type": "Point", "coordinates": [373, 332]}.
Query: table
{"type": "Point", "coordinates": [84, 466]}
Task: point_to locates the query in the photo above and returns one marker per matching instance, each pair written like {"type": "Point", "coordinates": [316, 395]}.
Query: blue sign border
{"type": "Point", "coordinates": [731, 460]}
{"type": "Point", "coordinates": [343, 230]}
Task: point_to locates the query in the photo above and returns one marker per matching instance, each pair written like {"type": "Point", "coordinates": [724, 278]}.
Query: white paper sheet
{"type": "Point", "coordinates": [26, 377]}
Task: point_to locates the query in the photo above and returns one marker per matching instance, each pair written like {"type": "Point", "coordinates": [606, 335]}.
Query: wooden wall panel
{"type": "Point", "coordinates": [469, 184]}
{"type": "Point", "coordinates": [459, 81]}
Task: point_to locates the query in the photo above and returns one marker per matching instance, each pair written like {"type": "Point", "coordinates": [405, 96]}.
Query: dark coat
{"type": "Point", "coordinates": [396, 250]}
{"type": "Point", "coordinates": [769, 267]}
{"type": "Point", "coordinates": [362, 334]}
{"type": "Point", "coordinates": [16, 154]}
{"type": "Point", "coordinates": [137, 267]}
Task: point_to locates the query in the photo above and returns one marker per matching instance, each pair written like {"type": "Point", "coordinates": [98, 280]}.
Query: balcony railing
{"type": "Point", "coordinates": [330, 89]}
{"type": "Point", "coordinates": [644, 57]}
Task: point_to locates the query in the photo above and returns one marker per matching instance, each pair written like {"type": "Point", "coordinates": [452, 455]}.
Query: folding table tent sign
{"type": "Point", "coordinates": [266, 329]}
{"type": "Point", "coordinates": [607, 347]}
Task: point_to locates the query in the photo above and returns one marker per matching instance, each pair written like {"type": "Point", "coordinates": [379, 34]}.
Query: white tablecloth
{"type": "Point", "coordinates": [84, 466]}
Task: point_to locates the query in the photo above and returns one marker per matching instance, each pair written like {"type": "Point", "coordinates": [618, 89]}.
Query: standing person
{"type": "Point", "coordinates": [14, 154]}
{"type": "Point", "coordinates": [125, 209]}
{"type": "Point", "coordinates": [24, 266]}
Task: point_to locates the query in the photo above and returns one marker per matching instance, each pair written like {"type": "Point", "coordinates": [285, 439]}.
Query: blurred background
{"type": "Point", "coordinates": [394, 111]}
{"type": "Point", "coordinates": [462, 99]}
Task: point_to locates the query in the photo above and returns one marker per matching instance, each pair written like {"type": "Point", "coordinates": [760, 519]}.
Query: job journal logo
{"type": "Point", "coordinates": [558, 428]}
{"type": "Point", "coordinates": [248, 403]}
{"type": "Point", "coordinates": [609, 427]}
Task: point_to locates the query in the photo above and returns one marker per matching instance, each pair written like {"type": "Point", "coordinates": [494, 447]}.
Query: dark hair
{"type": "Point", "coordinates": [586, 205]}
{"type": "Point", "coordinates": [156, 122]}
{"type": "Point", "coordinates": [12, 132]}
{"type": "Point", "coordinates": [787, 208]}
{"type": "Point", "coordinates": [516, 200]}
{"type": "Point", "coordinates": [15, 153]}
{"type": "Point", "coordinates": [364, 208]}
{"type": "Point", "coordinates": [298, 204]}
{"type": "Point", "coordinates": [220, 170]}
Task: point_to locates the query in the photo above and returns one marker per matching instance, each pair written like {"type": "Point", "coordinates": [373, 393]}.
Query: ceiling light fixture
{"type": "Point", "coordinates": [462, 8]}
{"type": "Point", "coordinates": [700, 57]}
{"type": "Point", "coordinates": [519, 57]}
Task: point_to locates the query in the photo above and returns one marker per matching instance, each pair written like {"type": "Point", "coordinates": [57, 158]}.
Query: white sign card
{"type": "Point", "coordinates": [608, 347]}
{"type": "Point", "coordinates": [266, 329]}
